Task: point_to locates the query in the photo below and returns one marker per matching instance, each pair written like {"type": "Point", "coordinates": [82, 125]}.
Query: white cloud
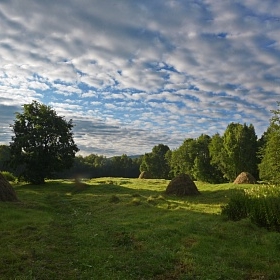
{"type": "Point", "coordinates": [140, 66]}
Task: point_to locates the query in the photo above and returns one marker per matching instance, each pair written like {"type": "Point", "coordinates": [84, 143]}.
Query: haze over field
{"type": "Point", "coordinates": [133, 74]}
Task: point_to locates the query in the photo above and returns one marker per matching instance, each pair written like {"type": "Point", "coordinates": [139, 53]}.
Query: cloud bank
{"type": "Point", "coordinates": [133, 74]}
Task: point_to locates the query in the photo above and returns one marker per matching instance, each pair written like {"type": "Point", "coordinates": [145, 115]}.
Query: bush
{"type": "Point", "coordinates": [238, 206]}
{"type": "Point", "coordinates": [265, 208]}
{"type": "Point", "coordinates": [8, 176]}
{"type": "Point", "coordinates": [260, 204]}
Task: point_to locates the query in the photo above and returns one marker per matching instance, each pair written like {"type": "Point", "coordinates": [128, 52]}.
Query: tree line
{"type": "Point", "coordinates": [221, 158]}
{"type": "Point", "coordinates": [43, 147]}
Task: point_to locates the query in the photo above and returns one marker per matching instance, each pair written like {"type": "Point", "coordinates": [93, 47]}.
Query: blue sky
{"type": "Point", "coordinates": [134, 74]}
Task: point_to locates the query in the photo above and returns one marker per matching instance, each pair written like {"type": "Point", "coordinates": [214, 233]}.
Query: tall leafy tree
{"type": "Point", "coordinates": [193, 158]}
{"type": "Point", "coordinates": [217, 153]}
{"type": "Point", "coordinates": [203, 170]}
{"type": "Point", "coordinates": [43, 142]}
{"type": "Point", "coordinates": [156, 162]}
{"type": "Point", "coordinates": [236, 151]}
{"type": "Point", "coordinates": [270, 163]}
{"type": "Point", "coordinates": [5, 155]}
{"type": "Point", "coordinates": [182, 160]}
{"type": "Point", "coordinates": [123, 166]}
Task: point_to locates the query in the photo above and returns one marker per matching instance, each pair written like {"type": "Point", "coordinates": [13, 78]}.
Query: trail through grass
{"type": "Point", "coordinates": [118, 228]}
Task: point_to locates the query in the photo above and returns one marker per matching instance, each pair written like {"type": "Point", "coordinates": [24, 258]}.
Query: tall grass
{"type": "Point", "coordinates": [260, 203]}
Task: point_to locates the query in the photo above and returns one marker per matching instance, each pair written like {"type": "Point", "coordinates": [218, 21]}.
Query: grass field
{"type": "Point", "coordinates": [118, 228]}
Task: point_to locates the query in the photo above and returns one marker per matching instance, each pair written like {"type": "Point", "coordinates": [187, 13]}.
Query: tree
{"type": "Point", "coordinates": [43, 142]}
{"type": "Point", "coordinates": [218, 156]}
{"type": "Point", "coordinates": [4, 157]}
{"type": "Point", "coordinates": [235, 151]}
{"type": "Point", "coordinates": [182, 159]}
{"type": "Point", "coordinates": [203, 170]}
{"type": "Point", "coordinates": [193, 158]}
{"type": "Point", "coordinates": [123, 166]}
{"type": "Point", "coordinates": [239, 150]}
{"type": "Point", "coordinates": [156, 162]}
{"type": "Point", "coordinates": [270, 154]}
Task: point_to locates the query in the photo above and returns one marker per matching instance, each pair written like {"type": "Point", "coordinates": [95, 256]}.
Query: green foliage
{"type": "Point", "coordinates": [43, 142]}
{"type": "Point", "coordinates": [270, 164]}
{"type": "Point", "coordinates": [270, 154]}
{"type": "Point", "coordinates": [8, 176]}
{"type": "Point", "coordinates": [156, 163]}
{"type": "Point", "coordinates": [182, 160]}
{"type": "Point", "coordinates": [235, 151]}
{"type": "Point", "coordinates": [238, 206]}
{"type": "Point", "coordinates": [265, 206]}
{"type": "Point", "coordinates": [123, 166]}
{"type": "Point", "coordinates": [193, 158]}
{"type": "Point", "coordinates": [5, 156]}
{"type": "Point", "coordinates": [203, 170]}
{"type": "Point", "coordinates": [261, 204]}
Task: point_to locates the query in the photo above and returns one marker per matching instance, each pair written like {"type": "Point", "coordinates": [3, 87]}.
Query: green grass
{"type": "Point", "coordinates": [118, 228]}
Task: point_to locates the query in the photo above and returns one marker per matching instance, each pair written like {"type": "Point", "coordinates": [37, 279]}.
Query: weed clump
{"type": "Point", "coordinates": [136, 195]}
{"type": "Point", "coordinates": [261, 205]}
{"type": "Point", "coordinates": [135, 201]}
{"type": "Point", "coordinates": [238, 206]}
{"type": "Point", "coordinates": [152, 200]}
{"type": "Point", "coordinates": [114, 199]}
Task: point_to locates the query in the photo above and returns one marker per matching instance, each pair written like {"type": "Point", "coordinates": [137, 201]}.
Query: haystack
{"type": "Point", "coordinates": [7, 192]}
{"type": "Point", "coordinates": [245, 178]}
{"type": "Point", "coordinates": [182, 185]}
{"type": "Point", "coordinates": [144, 175]}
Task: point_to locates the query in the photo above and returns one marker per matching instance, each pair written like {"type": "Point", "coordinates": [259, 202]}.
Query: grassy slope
{"type": "Point", "coordinates": [117, 228]}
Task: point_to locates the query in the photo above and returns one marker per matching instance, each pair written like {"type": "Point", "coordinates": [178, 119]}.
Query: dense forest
{"type": "Point", "coordinates": [213, 159]}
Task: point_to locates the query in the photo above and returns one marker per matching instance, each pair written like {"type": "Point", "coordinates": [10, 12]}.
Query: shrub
{"type": "Point", "coordinates": [8, 176]}
{"type": "Point", "coordinates": [265, 206]}
{"type": "Point", "coordinates": [135, 201]}
{"type": "Point", "coordinates": [261, 204]}
{"type": "Point", "coordinates": [238, 206]}
{"type": "Point", "coordinates": [151, 200]}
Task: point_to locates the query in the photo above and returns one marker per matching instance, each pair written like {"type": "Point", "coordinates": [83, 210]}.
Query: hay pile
{"type": "Point", "coordinates": [182, 185]}
{"type": "Point", "coordinates": [144, 175]}
{"type": "Point", "coordinates": [245, 178]}
{"type": "Point", "coordinates": [7, 192]}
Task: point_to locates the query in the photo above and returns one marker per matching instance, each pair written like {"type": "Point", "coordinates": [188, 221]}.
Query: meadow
{"type": "Point", "coordinates": [118, 228]}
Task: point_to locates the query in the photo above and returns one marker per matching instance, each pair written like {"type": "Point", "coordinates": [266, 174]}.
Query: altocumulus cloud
{"type": "Point", "coordinates": [133, 74]}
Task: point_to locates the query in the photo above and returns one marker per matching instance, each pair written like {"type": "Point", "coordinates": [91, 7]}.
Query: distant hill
{"type": "Point", "coordinates": [135, 156]}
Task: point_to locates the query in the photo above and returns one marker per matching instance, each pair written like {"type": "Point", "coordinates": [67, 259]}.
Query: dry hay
{"type": "Point", "coordinates": [182, 185]}
{"type": "Point", "coordinates": [7, 192]}
{"type": "Point", "coordinates": [144, 175]}
{"type": "Point", "coordinates": [245, 178]}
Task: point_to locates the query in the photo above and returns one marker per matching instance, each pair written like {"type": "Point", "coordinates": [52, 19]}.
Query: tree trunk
{"type": "Point", "coordinates": [7, 192]}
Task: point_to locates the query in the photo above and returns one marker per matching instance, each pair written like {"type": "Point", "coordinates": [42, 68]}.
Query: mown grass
{"type": "Point", "coordinates": [118, 228]}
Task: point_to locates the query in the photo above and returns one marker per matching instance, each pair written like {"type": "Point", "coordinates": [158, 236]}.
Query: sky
{"type": "Point", "coordinates": [135, 74]}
